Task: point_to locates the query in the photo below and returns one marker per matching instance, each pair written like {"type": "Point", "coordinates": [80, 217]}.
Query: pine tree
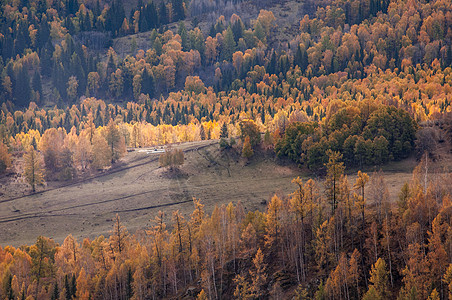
{"type": "Point", "coordinates": [67, 288]}
{"type": "Point", "coordinates": [228, 45]}
{"type": "Point", "coordinates": [73, 286]}
{"type": "Point", "coordinates": [224, 131]}
{"type": "Point", "coordinates": [129, 284]}
{"type": "Point", "coordinates": [36, 83]}
{"type": "Point", "coordinates": [163, 13]}
{"type": "Point", "coordinates": [178, 10]}
{"type": "Point", "coordinates": [7, 287]}
{"type": "Point", "coordinates": [22, 90]}
{"type": "Point", "coordinates": [55, 292]}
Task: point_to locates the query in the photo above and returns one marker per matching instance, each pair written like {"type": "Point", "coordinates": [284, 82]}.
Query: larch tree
{"type": "Point", "coordinates": [211, 50]}
{"type": "Point", "coordinates": [136, 135]}
{"type": "Point", "coordinates": [322, 246]}
{"type": "Point", "coordinates": [197, 216]}
{"type": "Point", "coordinates": [67, 254]}
{"type": "Point", "coordinates": [33, 169]}
{"type": "Point", "coordinates": [8, 291]}
{"type": "Point", "coordinates": [116, 84]}
{"type": "Point", "coordinates": [101, 152]}
{"type": "Point", "coordinates": [179, 230]}
{"type": "Point", "coordinates": [337, 285]}
{"type": "Point", "coordinates": [434, 295]}
{"type": "Point", "coordinates": [372, 294]}
{"type": "Point", "coordinates": [115, 141]}
{"type": "Point", "coordinates": [51, 145]}
{"type": "Point", "coordinates": [417, 278]}
{"type": "Point", "coordinates": [82, 292]}
{"type": "Point", "coordinates": [379, 194]}
{"type": "Point", "coordinates": [247, 150]}
{"type": "Point", "coordinates": [353, 274]}
{"type": "Point", "coordinates": [118, 238]}
{"type": "Point", "coordinates": [379, 281]}
{"type": "Point", "coordinates": [5, 157]}
{"type": "Point", "coordinates": [273, 223]}
{"type": "Point", "coordinates": [335, 169]}
{"type": "Point", "coordinates": [93, 84]}
{"type": "Point", "coordinates": [242, 288]}
{"type": "Point", "coordinates": [437, 254]}
{"type": "Point", "coordinates": [202, 295]}
{"type": "Point", "coordinates": [299, 206]}
{"type": "Point", "coordinates": [258, 275]}
{"type": "Point", "coordinates": [172, 158]}
{"type": "Point", "coordinates": [42, 256]}
{"type": "Point", "coordinates": [72, 86]}
{"type": "Point", "coordinates": [447, 279]}
{"type": "Point", "coordinates": [83, 152]}
{"type": "Point", "coordinates": [360, 184]}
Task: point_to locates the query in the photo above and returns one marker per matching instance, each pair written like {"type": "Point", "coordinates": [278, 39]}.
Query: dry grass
{"type": "Point", "coordinates": [137, 193]}
{"type": "Point", "coordinates": [138, 188]}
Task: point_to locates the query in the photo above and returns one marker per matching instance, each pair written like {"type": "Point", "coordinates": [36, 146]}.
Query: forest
{"type": "Point", "coordinates": [350, 242]}
{"type": "Point", "coordinates": [355, 85]}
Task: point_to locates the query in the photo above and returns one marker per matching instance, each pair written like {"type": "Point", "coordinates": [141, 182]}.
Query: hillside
{"type": "Point", "coordinates": [227, 149]}
{"type": "Point", "coordinates": [137, 188]}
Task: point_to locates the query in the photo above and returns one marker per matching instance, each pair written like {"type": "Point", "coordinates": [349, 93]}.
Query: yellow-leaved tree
{"type": "Point", "coordinates": [379, 282]}
{"type": "Point", "coordinates": [115, 141]}
{"type": "Point", "coordinates": [101, 152]}
{"type": "Point", "coordinates": [5, 157]}
{"type": "Point", "coordinates": [33, 169]}
{"type": "Point", "coordinates": [172, 158]}
{"type": "Point", "coordinates": [247, 150]}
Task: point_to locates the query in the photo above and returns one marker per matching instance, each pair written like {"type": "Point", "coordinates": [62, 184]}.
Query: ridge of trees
{"type": "Point", "coordinates": [368, 135]}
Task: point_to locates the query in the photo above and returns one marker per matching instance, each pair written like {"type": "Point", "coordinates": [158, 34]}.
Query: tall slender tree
{"type": "Point", "coordinates": [33, 170]}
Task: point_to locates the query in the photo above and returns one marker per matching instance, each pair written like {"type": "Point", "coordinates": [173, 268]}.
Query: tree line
{"type": "Point", "coordinates": [365, 135]}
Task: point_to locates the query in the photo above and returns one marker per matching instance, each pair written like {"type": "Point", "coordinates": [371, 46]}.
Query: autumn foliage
{"type": "Point", "coordinates": [402, 250]}
{"type": "Point", "coordinates": [172, 158]}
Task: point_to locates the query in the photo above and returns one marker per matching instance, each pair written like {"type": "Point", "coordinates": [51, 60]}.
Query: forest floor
{"type": "Point", "coordinates": [137, 188]}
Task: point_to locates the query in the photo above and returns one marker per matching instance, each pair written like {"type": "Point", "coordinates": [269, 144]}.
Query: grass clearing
{"type": "Point", "coordinates": [137, 188]}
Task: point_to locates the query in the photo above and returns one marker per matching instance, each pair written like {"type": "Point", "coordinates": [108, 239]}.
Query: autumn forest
{"type": "Point", "coordinates": [340, 92]}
